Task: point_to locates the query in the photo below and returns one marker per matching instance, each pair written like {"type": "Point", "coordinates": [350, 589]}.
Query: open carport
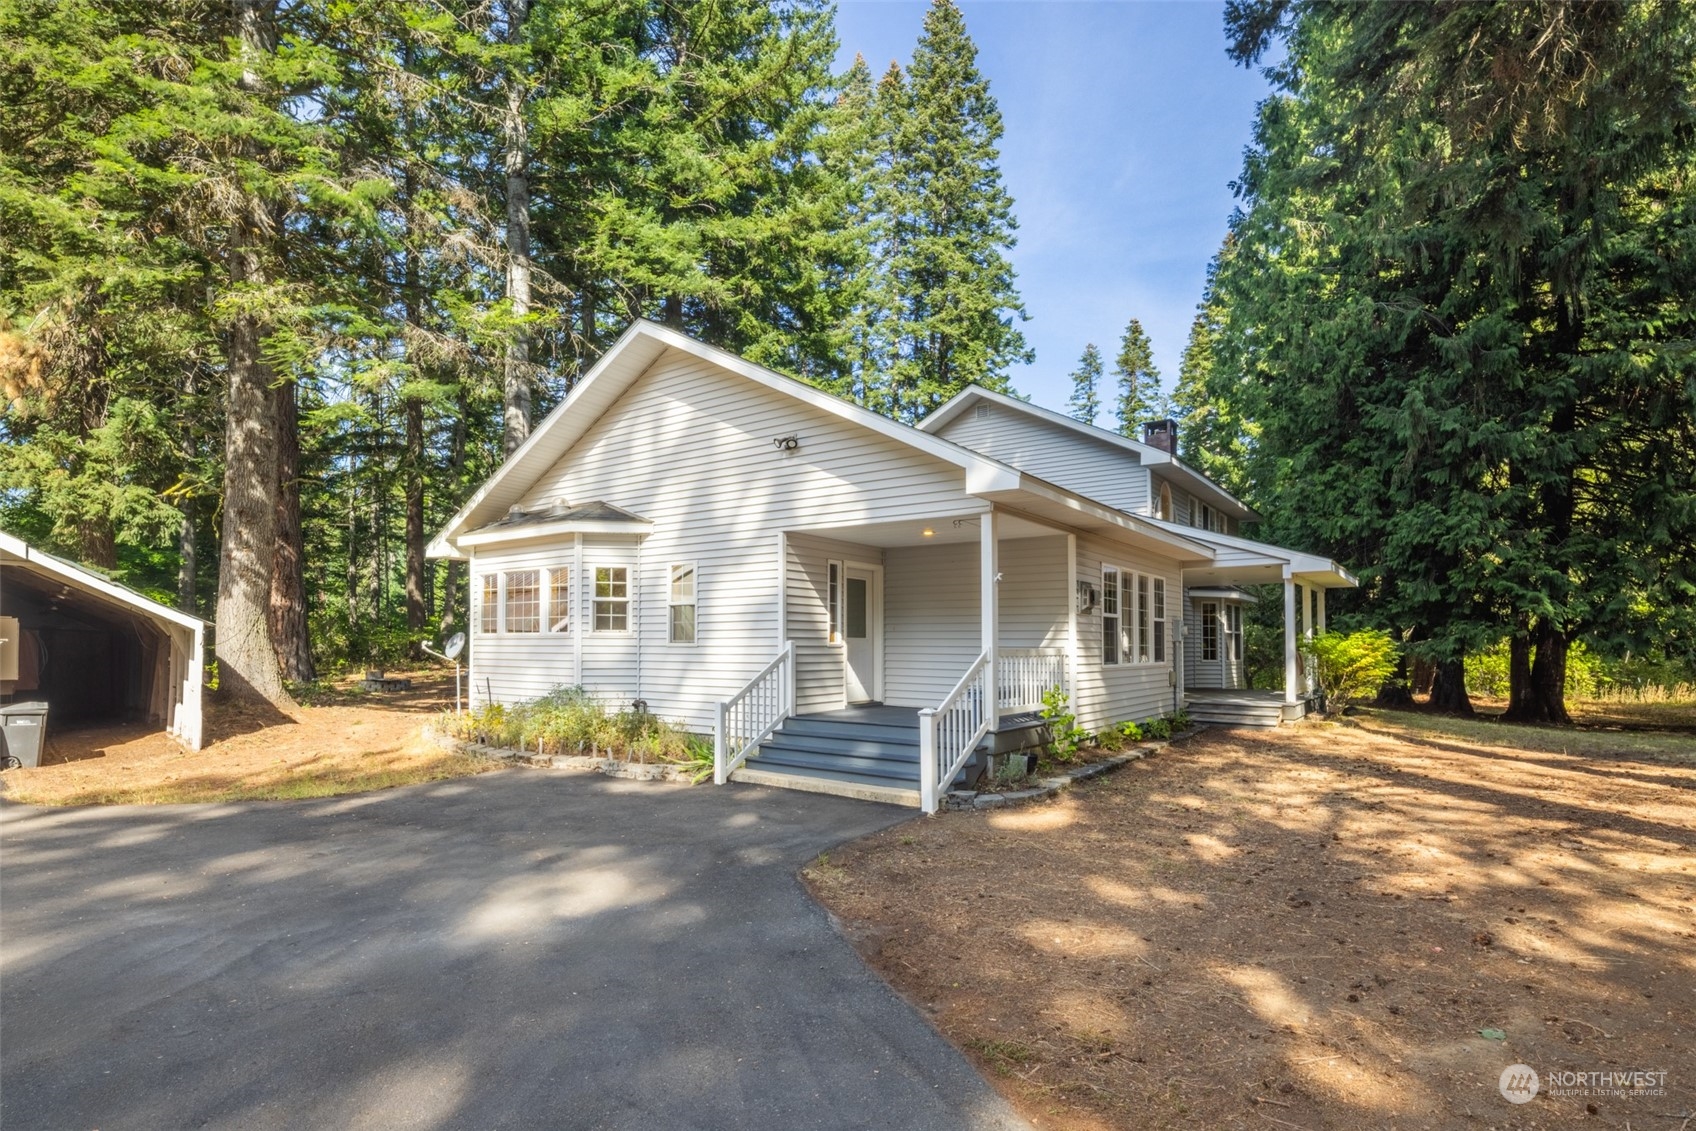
{"type": "Point", "coordinates": [95, 651]}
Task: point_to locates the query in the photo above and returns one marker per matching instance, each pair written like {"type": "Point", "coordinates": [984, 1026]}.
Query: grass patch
{"type": "Point", "coordinates": [1004, 1057]}
{"type": "Point", "coordinates": [294, 783]}
{"type": "Point", "coordinates": [1582, 741]}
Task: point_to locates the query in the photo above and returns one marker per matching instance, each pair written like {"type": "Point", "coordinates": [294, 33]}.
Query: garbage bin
{"type": "Point", "coordinates": [23, 733]}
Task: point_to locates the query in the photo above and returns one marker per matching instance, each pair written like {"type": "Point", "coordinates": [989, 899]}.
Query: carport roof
{"type": "Point", "coordinates": [15, 552]}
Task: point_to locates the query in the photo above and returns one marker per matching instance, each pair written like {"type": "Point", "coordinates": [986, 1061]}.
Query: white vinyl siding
{"type": "Point", "coordinates": [1096, 468]}
{"type": "Point", "coordinates": [932, 626]}
{"type": "Point", "coordinates": [1109, 693]}
{"type": "Point", "coordinates": [689, 448]}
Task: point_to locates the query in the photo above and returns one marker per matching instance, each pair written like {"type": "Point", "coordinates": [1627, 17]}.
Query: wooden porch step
{"type": "Point", "coordinates": [871, 765]}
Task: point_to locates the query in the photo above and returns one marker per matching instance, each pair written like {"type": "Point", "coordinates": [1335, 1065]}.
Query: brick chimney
{"type": "Point", "coordinates": [1162, 434]}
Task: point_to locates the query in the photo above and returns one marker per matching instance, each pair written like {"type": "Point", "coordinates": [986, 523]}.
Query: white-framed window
{"type": "Point", "coordinates": [1234, 630]}
{"type": "Point", "coordinates": [559, 599]}
{"type": "Point", "coordinates": [612, 599]}
{"type": "Point", "coordinates": [1209, 631]}
{"type": "Point", "coordinates": [1145, 644]}
{"type": "Point", "coordinates": [1159, 620]}
{"type": "Point", "coordinates": [833, 600]}
{"type": "Point", "coordinates": [489, 605]}
{"type": "Point", "coordinates": [1109, 615]}
{"type": "Point", "coordinates": [680, 604]}
{"type": "Point", "coordinates": [523, 601]}
{"type": "Point", "coordinates": [1166, 501]}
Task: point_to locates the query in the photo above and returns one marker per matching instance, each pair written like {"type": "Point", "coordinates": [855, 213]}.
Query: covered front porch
{"type": "Point", "coordinates": [1215, 595]}
{"type": "Point", "coordinates": [920, 644]}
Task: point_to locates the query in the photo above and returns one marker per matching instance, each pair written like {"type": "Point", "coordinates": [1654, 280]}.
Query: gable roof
{"type": "Point", "coordinates": [15, 552]}
{"type": "Point", "coordinates": [1147, 454]}
{"type": "Point", "coordinates": [627, 359]}
{"type": "Point", "coordinates": [642, 344]}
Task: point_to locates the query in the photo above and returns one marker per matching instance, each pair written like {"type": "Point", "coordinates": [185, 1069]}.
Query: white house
{"type": "Point", "coordinates": [834, 595]}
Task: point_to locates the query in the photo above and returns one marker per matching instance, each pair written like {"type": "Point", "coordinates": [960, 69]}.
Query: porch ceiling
{"type": "Point", "coordinates": [911, 532]}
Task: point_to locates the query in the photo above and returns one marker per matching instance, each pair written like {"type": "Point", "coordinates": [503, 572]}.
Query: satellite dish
{"type": "Point", "coordinates": [455, 645]}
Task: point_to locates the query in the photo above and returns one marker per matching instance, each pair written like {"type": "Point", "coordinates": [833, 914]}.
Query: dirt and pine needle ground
{"type": "Point", "coordinates": [341, 740]}
{"type": "Point", "coordinates": [1324, 926]}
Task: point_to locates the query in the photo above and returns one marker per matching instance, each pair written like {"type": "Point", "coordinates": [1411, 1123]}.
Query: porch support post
{"type": "Point", "coordinates": [1290, 657]}
{"type": "Point", "coordinates": [1307, 635]}
{"type": "Point", "coordinates": [1070, 596]}
{"type": "Point", "coordinates": [1319, 595]}
{"type": "Point", "coordinates": [989, 606]}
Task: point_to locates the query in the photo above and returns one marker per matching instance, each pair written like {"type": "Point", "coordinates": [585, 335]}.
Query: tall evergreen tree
{"type": "Point", "coordinates": [1485, 405]}
{"type": "Point", "coordinates": [951, 225]}
{"type": "Point", "coordinates": [1085, 401]}
{"type": "Point", "coordinates": [1138, 381]}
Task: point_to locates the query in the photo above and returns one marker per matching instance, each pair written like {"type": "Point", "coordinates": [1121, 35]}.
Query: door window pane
{"type": "Point", "coordinates": [856, 610]}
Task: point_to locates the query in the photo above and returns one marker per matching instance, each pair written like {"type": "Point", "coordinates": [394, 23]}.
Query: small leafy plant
{"type": "Point", "coordinates": [1157, 729]}
{"type": "Point", "coordinates": [1066, 738]}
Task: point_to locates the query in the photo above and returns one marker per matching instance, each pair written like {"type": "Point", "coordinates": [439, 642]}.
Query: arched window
{"type": "Point", "coordinates": [1166, 501]}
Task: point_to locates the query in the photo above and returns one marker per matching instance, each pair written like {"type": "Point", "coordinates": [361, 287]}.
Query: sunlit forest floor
{"type": "Point", "coordinates": [1325, 926]}
{"type": "Point", "coordinates": [341, 740]}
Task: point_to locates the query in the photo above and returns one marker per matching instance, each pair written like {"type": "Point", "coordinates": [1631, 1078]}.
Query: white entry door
{"type": "Point", "coordinates": [862, 633]}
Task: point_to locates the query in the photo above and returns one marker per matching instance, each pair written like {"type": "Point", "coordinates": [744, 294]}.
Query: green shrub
{"type": "Point", "coordinates": [1066, 738]}
{"type": "Point", "coordinates": [1351, 666]}
{"type": "Point", "coordinates": [1180, 721]}
{"type": "Point", "coordinates": [568, 720]}
{"type": "Point", "coordinates": [1158, 729]}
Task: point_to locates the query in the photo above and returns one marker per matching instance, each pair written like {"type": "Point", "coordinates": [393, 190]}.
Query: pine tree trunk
{"type": "Point", "coordinates": [1394, 693]}
{"type": "Point", "coordinates": [673, 311]}
{"type": "Point", "coordinates": [515, 137]}
{"type": "Point", "coordinates": [187, 581]}
{"type": "Point", "coordinates": [247, 662]}
{"type": "Point", "coordinates": [416, 610]}
{"type": "Point", "coordinates": [1448, 687]}
{"type": "Point", "coordinates": [289, 631]}
{"type": "Point", "coordinates": [456, 466]}
{"type": "Point", "coordinates": [1548, 675]}
{"type": "Point", "coordinates": [1519, 674]}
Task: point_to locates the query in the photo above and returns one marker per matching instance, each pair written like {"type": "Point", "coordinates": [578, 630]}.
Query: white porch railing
{"type": "Point", "coordinates": [948, 733]}
{"type": "Point", "coordinates": [1025, 675]}
{"type": "Point", "coordinates": [750, 716]}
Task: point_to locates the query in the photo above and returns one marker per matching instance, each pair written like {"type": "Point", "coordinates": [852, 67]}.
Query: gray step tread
{"type": "Point", "coordinates": [815, 774]}
{"type": "Point", "coordinates": [774, 756]}
{"type": "Point", "coordinates": [863, 747]}
{"type": "Point", "coordinates": [835, 728]}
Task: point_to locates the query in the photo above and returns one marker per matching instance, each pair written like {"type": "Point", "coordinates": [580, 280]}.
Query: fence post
{"type": "Point", "coordinates": [927, 759]}
{"type": "Point", "coordinates": [719, 752]}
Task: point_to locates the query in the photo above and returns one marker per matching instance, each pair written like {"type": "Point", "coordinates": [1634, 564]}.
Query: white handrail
{"type": "Point", "coordinates": [949, 732]}
{"type": "Point", "coordinates": [750, 716]}
{"type": "Point", "coordinates": [1025, 675]}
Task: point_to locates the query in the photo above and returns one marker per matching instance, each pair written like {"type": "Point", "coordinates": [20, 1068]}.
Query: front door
{"type": "Point", "coordinates": [862, 633]}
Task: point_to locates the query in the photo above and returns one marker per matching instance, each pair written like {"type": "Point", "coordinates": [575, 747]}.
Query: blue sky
{"type": "Point", "coordinates": [1125, 124]}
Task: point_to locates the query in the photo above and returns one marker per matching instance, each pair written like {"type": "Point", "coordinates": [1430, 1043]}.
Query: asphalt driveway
{"type": "Point", "coordinates": [525, 949]}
